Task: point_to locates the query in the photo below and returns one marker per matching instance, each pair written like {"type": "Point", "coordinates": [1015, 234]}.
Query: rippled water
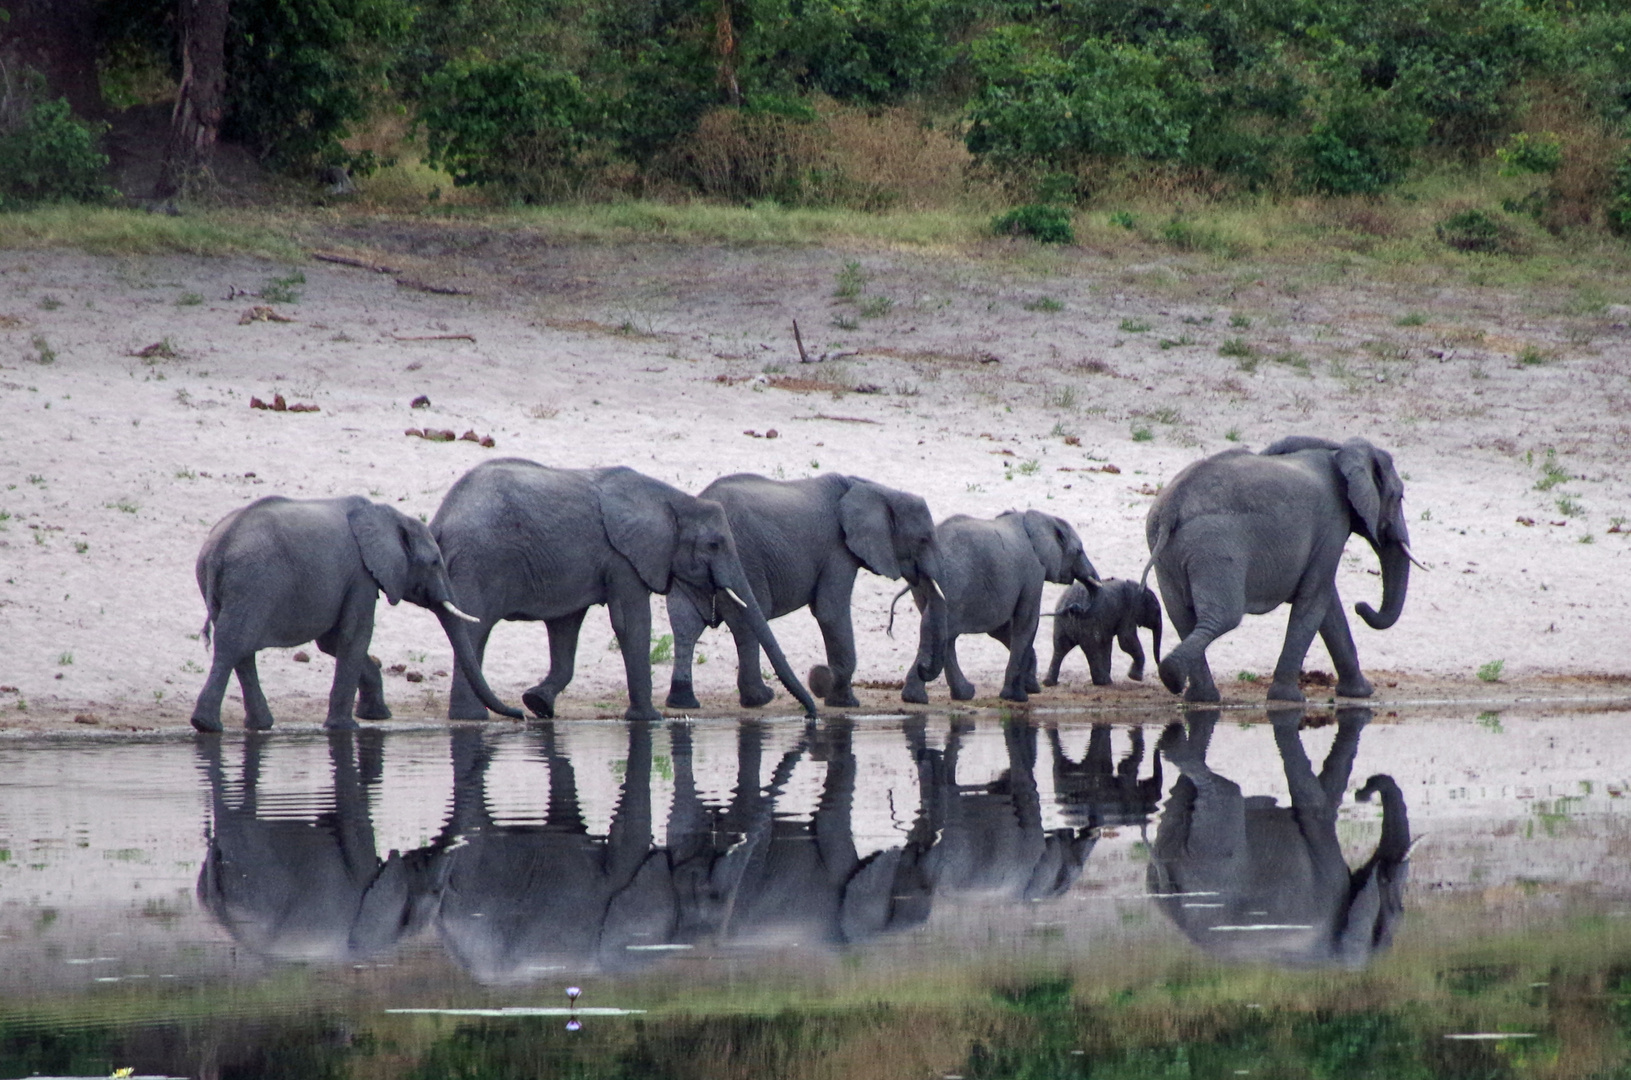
{"type": "Point", "coordinates": [940, 896]}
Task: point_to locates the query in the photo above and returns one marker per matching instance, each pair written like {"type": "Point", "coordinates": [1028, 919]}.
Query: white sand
{"type": "Point", "coordinates": [113, 468]}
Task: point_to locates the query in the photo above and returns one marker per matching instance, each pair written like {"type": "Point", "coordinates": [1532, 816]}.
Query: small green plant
{"type": "Point", "coordinates": [1532, 356]}
{"type": "Point", "coordinates": [1526, 153]}
{"type": "Point", "coordinates": [43, 352]}
{"type": "Point", "coordinates": [1046, 224]}
{"type": "Point", "coordinates": [1491, 672]}
{"type": "Point", "coordinates": [189, 299]}
{"type": "Point", "coordinates": [186, 474]}
{"type": "Point", "coordinates": [876, 307]}
{"type": "Point", "coordinates": [1124, 219]}
{"type": "Point", "coordinates": [81, 547]}
{"type": "Point", "coordinates": [1238, 348]}
{"type": "Point", "coordinates": [1165, 415]}
{"type": "Point", "coordinates": [1569, 507]}
{"type": "Point", "coordinates": [49, 303]}
{"type": "Point", "coordinates": [1292, 360]}
{"type": "Point", "coordinates": [65, 659]}
{"type": "Point", "coordinates": [1181, 341]}
{"type": "Point", "coordinates": [849, 281]}
{"type": "Point", "coordinates": [1240, 322]}
{"type": "Point", "coordinates": [1133, 326]}
{"type": "Point", "coordinates": [124, 506]}
{"type": "Point", "coordinates": [1232, 435]}
{"type": "Point", "coordinates": [1044, 303]}
{"type": "Point", "coordinates": [662, 650]}
{"type": "Point", "coordinates": [1411, 318]}
{"type": "Point", "coordinates": [1552, 473]}
{"type": "Point", "coordinates": [1029, 467]}
{"type": "Point", "coordinates": [36, 479]}
{"type": "Point", "coordinates": [844, 322]}
{"type": "Point", "coordinates": [1063, 398]}
{"type": "Point", "coordinates": [283, 290]}
{"type": "Point", "coordinates": [1248, 676]}
{"type": "Point", "coordinates": [1476, 230]}
{"type": "Point", "coordinates": [1491, 721]}
{"type": "Point", "coordinates": [1143, 434]}
{"type": "Point", "coordinates": [1588, 539]}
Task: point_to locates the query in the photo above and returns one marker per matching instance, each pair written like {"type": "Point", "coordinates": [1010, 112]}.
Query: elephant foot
{"type": "Point", "coordinates": [1033, 687]}
{"type": "Point", "coordinates": [340, 723]}
{"type": "Point", "coordinates": [210, 725]}
{"type": "Point", "coordinates": [541, 700]}
{"type": "Point", "coordinates": [1172, 676]}
{"type": "Point", "coordinates": [1286, 692]}
{"type": "Point", "coordinates": [1101, 680]}
{"type": "Point", "coordinates": [1050, 681]}
{"type": "Point", "coordinates": [643, 713]}
{"type": "Point", "coordinates": [754, 696]}
{"type": "Point", "coordinates": [1017, 695]}
{"type": "Point", "coordinates": [376, 710]}
{"type": "Point", "coordinates": [914, 694]}
{"type": "Point", "coordinates": [1205, 694]}
{"type": "Point", "coordinates": [258, 723]}
{"type": "Point", "coordinates": [844, 699]}
{"type": "Point", "coordinates": [681, 696]}
{"type": "Point", "coordinates": [1359, 687]}
{"type": "Point", "coordinates": [965, 692]}
{"type": "Point", "coordinates": [1136, 674]}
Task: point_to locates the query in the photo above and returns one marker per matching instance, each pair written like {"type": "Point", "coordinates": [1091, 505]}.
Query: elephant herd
{"type": "Point", "coordinates": [510, 901]}
{"type": "Point", "coordinates": [1234, 533]}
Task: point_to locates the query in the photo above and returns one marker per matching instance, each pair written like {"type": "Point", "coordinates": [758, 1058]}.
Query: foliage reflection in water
{"type": "Point", "coordinates": [909, 898]}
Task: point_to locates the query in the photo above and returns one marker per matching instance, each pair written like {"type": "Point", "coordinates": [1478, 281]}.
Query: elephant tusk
{"type": "Point", "coordinates": [451, 610]}
{"type": "Point", "coordinates": [1417, 562]}
{"type": "Point", "coordinates": [938, 591]}
{"type": "Point", "coordinates": [732, 594]}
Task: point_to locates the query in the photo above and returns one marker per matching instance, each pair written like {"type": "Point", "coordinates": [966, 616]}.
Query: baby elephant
{"type": "Point", "coordinates": [281, 572]}
{"type": "Point", "coordinates": [1092, 616]}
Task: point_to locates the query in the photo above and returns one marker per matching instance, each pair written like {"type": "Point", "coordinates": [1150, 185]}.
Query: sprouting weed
{"type": "Point", "coordinates": [1491, 672]}
{"type": "Point", "coordinates": [1133, 326]}
{"type": "Point", "coordinates": [849, 281]}
{"type": "Point", "coordinates": [1044, 303]}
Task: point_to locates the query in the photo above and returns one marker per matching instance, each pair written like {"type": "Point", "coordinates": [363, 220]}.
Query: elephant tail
{"type": "Point", "coordinates": [890, 629]}
{"type": "Point", "coordinates": [205, 630]}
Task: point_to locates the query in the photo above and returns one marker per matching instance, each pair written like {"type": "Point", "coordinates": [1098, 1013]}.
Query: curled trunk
{"type": "Point", "coordinates": [931, 644]}
{"type": "Point", "coordinates": [464, 654]}
{"type": "Point", "coordinates": [737, 581]}
{"type": "Point", "coordinates": [1395, 583]}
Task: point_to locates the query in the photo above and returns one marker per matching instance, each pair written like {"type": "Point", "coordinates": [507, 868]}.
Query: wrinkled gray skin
{"type": "Point", "coordinates": [1098, 792]}
{"type": "Point", "coordinates": [528, 542]}
{"type": "Point", "coordinates": [313, 889]}
{"type": "Point", "coordinates": [1093, 617]}
{"type": "Point", "coordinates": [994, 571]}
{"type": "Point", "coordinates": [1241, 532]}
{"type": "Point", "coordinates": [523, 902]}
{"type": "Point", "coordinates": [801, 543]}
{"type": "Point", "coordinates": [281, 572]}
{"type": "Point", "coordinates": [1223, 859]}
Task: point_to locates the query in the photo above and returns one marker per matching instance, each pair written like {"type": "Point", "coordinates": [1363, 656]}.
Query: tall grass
{"type": "Point", "coordinates": [108, 231]}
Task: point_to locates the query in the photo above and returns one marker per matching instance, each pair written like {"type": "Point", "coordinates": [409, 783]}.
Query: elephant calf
{"type": "Point", "coordinates": [1091, 617]}
{"type": "Point", "coordinates": [992, 576]}
{"type": "Point", "coordinates": [281, 572]}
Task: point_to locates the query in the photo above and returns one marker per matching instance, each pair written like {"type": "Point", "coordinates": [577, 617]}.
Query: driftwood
{"type": "Point", "coordinates": [425, 286]}
{"type": "Point", "coordinates": [347, 260]}
{"type": "Point", "coordinates": [841, 419]}
{"type": "Point", "coordinates": [435, 337]}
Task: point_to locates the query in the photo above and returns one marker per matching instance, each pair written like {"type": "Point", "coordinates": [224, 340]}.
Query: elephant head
{"type": "Point", "coordinates": [403, 559]}
{"type": "Point", "coordinates": [669, 536]}
{"type": "Point", "coordinates": [892, 534]}
{"type": "Point", "coordinates": [1059, 548]}
{"type": "Point", "coordinates": [1375, 497]}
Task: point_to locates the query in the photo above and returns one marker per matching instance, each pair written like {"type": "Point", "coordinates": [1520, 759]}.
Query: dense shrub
{"type": "Point", "coordinates": [1365, 143]}
{"type": "Point", "coordinates": [1047, 224]}
{"type": "Point", "coordinates": [46, 155]}
{"type": "Point", "coordinates": [1478, 230]}
{"type": "Point", "coordinates": [1619, 197]}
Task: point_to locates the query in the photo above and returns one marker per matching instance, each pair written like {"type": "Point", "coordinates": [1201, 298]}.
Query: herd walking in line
{"type": "Point", "coordinates": [1232, 534]}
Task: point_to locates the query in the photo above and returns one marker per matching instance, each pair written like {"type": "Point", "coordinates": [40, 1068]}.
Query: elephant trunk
{"type": "Point", "coordinates": [1084, 571]}
{"type": "Point", "coordinates": [1395, 583]}
{"type": "Point", "coordinates": [1394, 845]}
{"type": "Point", "coordinates": [464, 654]}
{"type": "Point", "coordinates": [734, 580]}
{"type": "Point", "coordinates": [931, 645]}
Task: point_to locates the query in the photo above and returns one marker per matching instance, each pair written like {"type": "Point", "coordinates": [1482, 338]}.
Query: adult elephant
{"type": "Point", "coordinates": [281, 572]}
{"type": "Point", "coordinates": [1249, 880]}
{"type": "Point", "coordinates": [801, 543]}
{"type": "Point", "coordinates": [527, 542]}
{"type": "Point", "coordinates": [993, 576]}
{"type": "Point", "coordinates": [1242, 532]}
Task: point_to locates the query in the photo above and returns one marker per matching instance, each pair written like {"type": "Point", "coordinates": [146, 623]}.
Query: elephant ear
{"type": "Point", "coordinates": [1375, 491]}
{"type": "Point", "coordinates": [869, 528]}
{"type": "Point", "coordinates": [384, 546]}
{"type": "Point", "coordinates": [1055, 543]}
{"type": "Point", "coordinates": [640, 523]}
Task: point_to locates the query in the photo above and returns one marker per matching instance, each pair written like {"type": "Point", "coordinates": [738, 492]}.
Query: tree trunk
{"type": "Point", "coordinates": [201, 98]}
{"type": "Point", "coordinates": [725, 45]}
{"type": "Point", "coordinates": [57, 38]}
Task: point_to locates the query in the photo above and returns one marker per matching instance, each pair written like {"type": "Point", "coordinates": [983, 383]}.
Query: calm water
{"type": "Point", "coordinates": [945, 896]}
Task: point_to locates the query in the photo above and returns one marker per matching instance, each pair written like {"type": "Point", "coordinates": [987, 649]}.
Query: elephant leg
{"type": "Point", "coordinates": [207, 709]}
{"type": "Point", "coordinates": [1307, 613]}
{"type": "Point", "coordinates": [961, 688]}
{"type": "Point", "coordinates": [371, 692]}
{"type": "Point", "coordinates": [1339, 642]}
{"type": "Point", "coordinates": [832, 614]}
{"type": "Point", "coordinates": [350, 648]}
{"type": "Point", "coordinates": [257, 714]}
{"type": "Point", "coordinates": [751, 690]}
{"type": "Point", "coordinates": [1061, 649]}
{"type": "Point", "coordinates": [1019, 681]}
{"type": "Point", "coordinates": [563, 661]}
{"type": "Point", "coordinates": [631, 621]}
{"type": "Point", "coordinates": [462, 702]}
{"type": "Point", "coordinates": [915, 691]}
{"type": "Point", "coordinates": [1216, 606]}
{"type": "Point", "coordinates": [1098, 660]}
{"type": "Point", "coordinates": [1128, 640]}
{"type": "Point", "coordinates": [687, 624]}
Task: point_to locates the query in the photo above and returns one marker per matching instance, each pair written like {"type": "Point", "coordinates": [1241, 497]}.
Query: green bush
{"type": "Point", "coordinates": [1047, 224]}
{"type": "Point", "coordinates": [1367, 142]}
{"type": "Point", "coordinates": [1477, 230]}
{"type": "Point", "coordinates": [1525, 153]}
{"type": "Point", "coordinates": [1619, 197]}
{"type": "Point", "coordinates": [49, 156]}
{"type": "Point", "coordinates": [515, 124]}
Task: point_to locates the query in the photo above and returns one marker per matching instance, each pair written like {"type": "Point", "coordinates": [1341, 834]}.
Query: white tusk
{"type": "Point", "coordinates": [1419, 564]}
{"type": "Point", "coordinates": [451, 610]}
{"type": "Point", "coordinates": [938, 591]}
{"type": "Point", "coordinates": [732, 594]}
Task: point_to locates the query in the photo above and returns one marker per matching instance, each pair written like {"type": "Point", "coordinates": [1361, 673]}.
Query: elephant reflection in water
{"type": "Point", "coordinates": [315, 889]}
{"type": "Point", "coordinates": [1249, 880]}
{"type": "Point", "coordinates": [1098, 792]}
